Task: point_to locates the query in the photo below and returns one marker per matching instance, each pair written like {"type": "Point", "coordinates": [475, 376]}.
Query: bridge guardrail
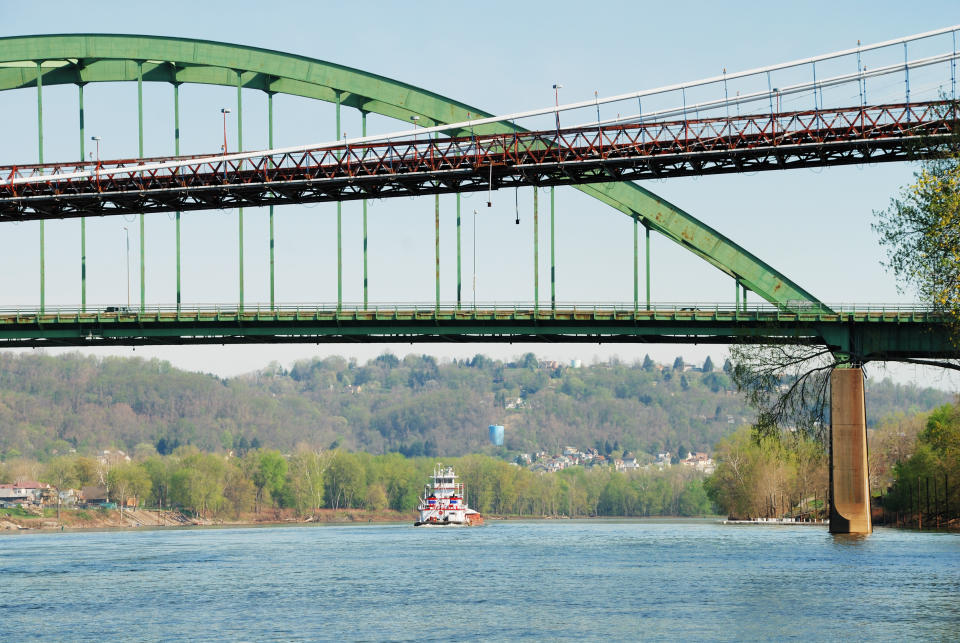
{"type": "Point", "coordinates": [393, 309]}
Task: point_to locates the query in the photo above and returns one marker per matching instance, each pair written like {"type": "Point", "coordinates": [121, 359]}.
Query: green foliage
{"type": "Point", "coordinates": [267, 471]}
{"type": "Point", "coordinates": [765, 476]}
{"type": "Point", "coordinates": [198, 483]}
{"type": "Point", "coordinates": [304, 481]}
{"type": "Point", "coordinates": [932, 466]}
{"type": "Point", "coordinates": [16, 512]}
{"type": "Point", "coordinates": [414, 405]}
{"type": "Point", "coordinates": [920, 231]}
{"type": "Point", "coordinates": [128, 480]}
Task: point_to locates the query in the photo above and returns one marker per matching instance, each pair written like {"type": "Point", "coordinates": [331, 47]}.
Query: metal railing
{"type": "Point", "coordinates": [489, 307]}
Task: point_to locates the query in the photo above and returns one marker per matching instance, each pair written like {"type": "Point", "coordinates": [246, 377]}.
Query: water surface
{"type": "Point", "coordinates": [655, 580]}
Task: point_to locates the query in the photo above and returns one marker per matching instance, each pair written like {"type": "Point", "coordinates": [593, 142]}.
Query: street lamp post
{"type": "Point", "coordinates": [225, 111]}
{"type": "Point", "coordinates": [556, 104]}
{"type": "Point", "coordinates": [96, 139]}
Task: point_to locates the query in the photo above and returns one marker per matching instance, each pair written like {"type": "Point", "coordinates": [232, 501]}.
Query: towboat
{"type": "Point", "coordinates": [443, 502]}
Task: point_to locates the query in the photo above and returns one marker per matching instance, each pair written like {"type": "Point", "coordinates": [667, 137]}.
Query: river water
{"type": "Point", "coordinates": [650, 579]}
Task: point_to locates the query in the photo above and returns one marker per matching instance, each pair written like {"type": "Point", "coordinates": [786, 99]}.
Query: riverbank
{"type": "Point", "coordinates": [80, 519]}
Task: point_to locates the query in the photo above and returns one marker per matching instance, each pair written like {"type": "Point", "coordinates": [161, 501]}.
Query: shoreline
{"type": "Point", "coordinates": [148, 520]}
{"type": "Point", "coordinates": [135, 521]}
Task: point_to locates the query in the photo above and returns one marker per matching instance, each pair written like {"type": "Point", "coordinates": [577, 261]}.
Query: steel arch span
{"type": "Point", "coordinates": [79, 59]}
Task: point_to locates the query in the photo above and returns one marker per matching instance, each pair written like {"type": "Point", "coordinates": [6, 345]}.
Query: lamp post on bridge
{"type": "Point", "coordinates": [96, 139]}
{"type": "Point", "coordinates": [225, 111]}
{"type": "Point", "coordinates": [556, 104]}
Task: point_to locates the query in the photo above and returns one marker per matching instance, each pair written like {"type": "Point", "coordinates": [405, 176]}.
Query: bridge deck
{"type": "Point", "coordinates": [623, 152]}
{"type": "Point", "coordinates": [873, 333]}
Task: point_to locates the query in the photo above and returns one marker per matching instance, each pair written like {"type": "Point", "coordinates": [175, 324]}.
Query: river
{"type": "Point", "coordinates": [649, 579]}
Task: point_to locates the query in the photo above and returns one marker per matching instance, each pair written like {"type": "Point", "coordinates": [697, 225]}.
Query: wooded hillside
{"type": "Point", "coordinates": [414, 405]}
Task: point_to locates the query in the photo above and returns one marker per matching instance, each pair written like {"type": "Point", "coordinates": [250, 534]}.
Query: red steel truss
{"type": "Point", "coordinates": [592, 154]}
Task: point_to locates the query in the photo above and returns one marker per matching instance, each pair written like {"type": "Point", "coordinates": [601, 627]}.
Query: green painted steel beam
{"type": "Point", "coordinates": [83, 220]}
{"type": "Point", "coordinates": [43, 276]}
{"type": "Point", "coordinates": [176, 150]}
{"type": "Point", "coordinates": [143, 232]}
{"type": "Point", "coordinates": [72, 58]}
{"type": "Point", "coordinates": [868, 338]}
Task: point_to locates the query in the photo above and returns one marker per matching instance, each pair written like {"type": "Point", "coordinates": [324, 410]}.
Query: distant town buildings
{"type": "Point", "coordinates": [27, 492]}
{"type": "Point", "coordinates": [574, 457]}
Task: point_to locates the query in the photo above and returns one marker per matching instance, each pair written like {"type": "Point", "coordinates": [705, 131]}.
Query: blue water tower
{"type": "Point", "coordinates": [496, 434]}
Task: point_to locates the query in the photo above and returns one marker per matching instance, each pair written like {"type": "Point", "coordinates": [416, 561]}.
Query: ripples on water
{"type": "Point", "coordinates": [688, 580]}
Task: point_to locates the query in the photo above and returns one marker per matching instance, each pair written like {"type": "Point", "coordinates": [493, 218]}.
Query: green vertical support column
{"type": "Point", "coordinates": [176, 151]}
{"type": "Point", "coordinates": [363, 132]}
{"type": "Point", "coordinates": [536, 252]}
{"type": "Point", "coordinates": [636, 263]}
{"type": "Point", "coordinates": [43, 280]}
{"type": "Point", "coordinates": [272, 257]}
{"type": "Point", "coordinates": [459, 282]}
{"type": "Point", "coordinates": [744, 298]}
{"type": "Point", "coordinates": [339, 229]}
{"type": "Point", "coordinates": [83, 220]}
{"type": "Point", "coordinates": [143, 264]}
{"type": "Point", "coordinates": [553, 256]}
{"type": "Point", "coordinates": [736, 282]}
{"type": "Point", "coordinates": [436, 242]}
{"type": "Point", "coordinates": [240, 210]}
{"type": "Point", "coordinates": [647, 257]}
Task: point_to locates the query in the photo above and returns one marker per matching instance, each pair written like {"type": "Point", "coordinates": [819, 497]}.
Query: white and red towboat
{"type": "Point", "coordinates": [443, 502]}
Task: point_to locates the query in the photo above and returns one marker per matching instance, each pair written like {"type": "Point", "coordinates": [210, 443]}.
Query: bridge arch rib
{"type": "Point", "coordinates": [91, 58]}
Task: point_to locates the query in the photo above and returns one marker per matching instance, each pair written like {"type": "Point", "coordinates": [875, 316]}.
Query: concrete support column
{"type": "Point", "coordinates": [849, 484]}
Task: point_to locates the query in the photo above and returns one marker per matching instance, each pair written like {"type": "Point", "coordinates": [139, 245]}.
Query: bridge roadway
{"type": "Point", "coordinates": [870, 332]}
{"type": "Point", "coordinates": [409, 167]}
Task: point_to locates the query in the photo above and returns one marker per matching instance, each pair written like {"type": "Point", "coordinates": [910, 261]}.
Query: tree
{"type": "Point", "coordinates": [305, 479]}
{"type": "Point", "coordinates": [61, 474]}
{"type": "Point", "coordinates": [85, 471]}
{"type": "Point", "coordinates": [267, 470]}
{"type": "Point", "coordinates": [529, 360]}
{"type": "Point", "coordinates": [127, 480]}
{"type": "Point", "coordinates": [344, 480]}
{"type": "Point", "coordinates": [648, 364]}
{"type": "Point", "coordinates": [387, 360]}
{"type": "Point", "coordinates": [920, 231]}
{"type": "Point", "coordinates": [198, 483]}
{"type": "Point", "coordinates": [787, 384]}
{"type": "Point", "coordinates": [160, 470]}
{"type": "Point", "coordinates": [678, 363]}
{"type": "Point", "coordinates": [238, 491]}
{"type": "Point", "coordinates": [752, 477]}
{"type": "Point", "coordinates": [707, 365]}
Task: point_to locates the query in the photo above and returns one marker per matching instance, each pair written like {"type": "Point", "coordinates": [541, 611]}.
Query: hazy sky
{"type": "Point", "coordinates": [813, 225]}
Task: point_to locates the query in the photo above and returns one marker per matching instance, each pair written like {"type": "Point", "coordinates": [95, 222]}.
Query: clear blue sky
{"type": "Point", "coordinates": [501, 56]}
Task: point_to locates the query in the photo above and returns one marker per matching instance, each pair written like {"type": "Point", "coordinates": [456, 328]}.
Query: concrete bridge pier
{"type": "Point", "coordinates": [849, 483]}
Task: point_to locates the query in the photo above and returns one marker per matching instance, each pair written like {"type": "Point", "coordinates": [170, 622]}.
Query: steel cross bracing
{"type": "Point", "coordinates": [582, 155]}
{"type": "Point", "coordinates": [870, 332]}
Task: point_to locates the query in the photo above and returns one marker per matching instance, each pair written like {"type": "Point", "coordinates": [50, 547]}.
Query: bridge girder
{"type": "Point", "coordinates": [862, 336]}
{"type": "Point", "coordinates": [92, 58]}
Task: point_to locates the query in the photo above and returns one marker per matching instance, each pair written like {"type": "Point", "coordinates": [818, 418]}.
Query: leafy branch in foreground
{"type": "Point", "coordinates": [788, 384]}
{"type": "Point", "coordinates": [920, 231]}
